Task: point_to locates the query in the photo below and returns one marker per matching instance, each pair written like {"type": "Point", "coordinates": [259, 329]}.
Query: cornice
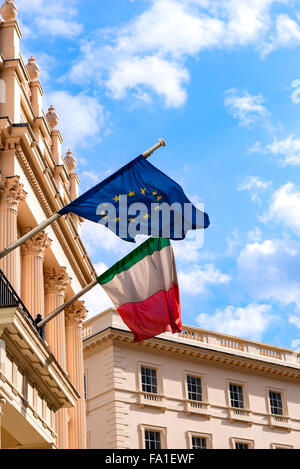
{"type": "Point", "coordinates": [193, 352]}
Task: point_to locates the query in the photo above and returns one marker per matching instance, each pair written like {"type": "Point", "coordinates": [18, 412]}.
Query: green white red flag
{"type": "Point", "coordinates": [144, 288]}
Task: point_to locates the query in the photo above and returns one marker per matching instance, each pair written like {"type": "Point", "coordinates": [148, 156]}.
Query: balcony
{"type": "Point", "coordinates": [33, 386]}
{"type": "Point", "coordinates": [237, 414]}
{"type": "Point", "coordinates": [9, 298]}
{"type": "Point", "coordinates": [151, 399]}
{"type": "Point", "coordinates": [197, 407]}
{"type": "Point", "coordinates": [280, 422]}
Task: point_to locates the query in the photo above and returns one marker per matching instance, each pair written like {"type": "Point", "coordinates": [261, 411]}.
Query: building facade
{"type": "Point", "coordinates": [41, 374]}
{"type": "Point", "coordinates": [194, 390]}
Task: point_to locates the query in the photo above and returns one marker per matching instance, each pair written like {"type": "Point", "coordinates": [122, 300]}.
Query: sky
{"type": "Point", "coordinates": [219, 80]}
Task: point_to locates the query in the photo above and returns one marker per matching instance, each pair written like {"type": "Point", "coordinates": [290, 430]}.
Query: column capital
{"type": "Point", "coordinates": [11, 192]}
{"type": "Point", "coordinates": [76, 313]}
{"type": "Point", "coordinates": [35, 245]}
{"type": "Point", "coordinates": [56, 280]}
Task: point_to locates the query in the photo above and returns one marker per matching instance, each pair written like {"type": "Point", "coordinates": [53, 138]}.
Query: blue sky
{"type": "Point", "coordinates": [220, 82]}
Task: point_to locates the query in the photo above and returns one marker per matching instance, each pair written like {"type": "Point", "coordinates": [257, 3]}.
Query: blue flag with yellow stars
{"type": "Point", "coordinates": [139, 199]}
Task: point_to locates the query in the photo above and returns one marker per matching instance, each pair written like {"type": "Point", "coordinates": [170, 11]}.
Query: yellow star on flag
{"type": "Point", "coordinates": [154, 193]}
{"type": "Point", "coordinates": [158, 198]}
{"type": "Point", "coordinates": [104, 212]}
{"type": "Point", "coordinates": [116, 220]}
{"type": "Point", "coordinates": [147, 216]}
{"type": "Point", "coordinates": [131, 193]}
{"type": "Point", "coordinates": [143, 191]}
{"type": "Point", "coordinates": [116, 198]}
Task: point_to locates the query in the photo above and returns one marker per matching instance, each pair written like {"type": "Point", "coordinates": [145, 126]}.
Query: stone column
{"type": "Point", "coordinates": [75, 315]}
{"type": "Point", "coordinates": [11, 193]}
{"type": "Point", "coordinates": [56, 282]}
{"type": "Point", "coordinates": [32, 284]}
{"type": "Point", "coordinates": [2, 403]}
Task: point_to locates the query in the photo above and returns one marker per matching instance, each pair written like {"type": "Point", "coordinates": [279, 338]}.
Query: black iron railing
{"type": "Point", "coordinates": [10, 298]}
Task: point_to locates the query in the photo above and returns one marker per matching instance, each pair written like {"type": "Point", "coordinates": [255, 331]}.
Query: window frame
{"type": "Point", "coordinates": [242, 401]}
{"type": "Point", "coordinates": [159, 374]}
{"type": "Point", "coordinates": [238, 414]}
{"type": "Point", "coordinates": [280, 446]}
{"type": "Point", "coordinates": [243, 441]}
{"type": "Point", "coordinates": [277, 420]}
{"type": "Point", "coordinates": [207, 436]}
{"type": "Point", "coordinates": [276, 391]}
{"type": "Point", "coordinates": [200, 376]}
{"type": "Point", "coordinates": [153, 428]}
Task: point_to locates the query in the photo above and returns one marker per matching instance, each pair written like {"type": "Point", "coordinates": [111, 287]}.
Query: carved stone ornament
{"type": "Point", "coordinates": [35, 245]}
{"type": "Point", "coordinates": [70, 161]}
{"type": "Point", "coordinates": [9, 10]}
{"type": "Point", "coordinates": [56, 280]}
{"type": "Point", "coordinates": [11, 192]}
{"type": "Point", "coordinates": [33, 69]}
{"type": "Point", "coordinates": [76, 314]}
{"type": "Point", "coordinates": [52, 117]}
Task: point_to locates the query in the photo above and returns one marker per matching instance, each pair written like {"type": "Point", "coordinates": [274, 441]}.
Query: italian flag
{"type": "Point", "coordinates": [144, 288]}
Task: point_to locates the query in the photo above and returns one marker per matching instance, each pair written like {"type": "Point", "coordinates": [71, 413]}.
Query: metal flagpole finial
{"type": "Point", "coordinates": [161, 143]}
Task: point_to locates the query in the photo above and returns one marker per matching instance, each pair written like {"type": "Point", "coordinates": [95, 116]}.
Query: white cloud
{"type": "Point", "coordinates": [295, 94]}
{"type": "Point", "coordinates": [151, 50]}
{"type": "Point", "coordinates": [248, 322]}
{"type": "Point", "coordinates": [81, 117]}
{"type": "Point", "coordinates": [289, 148]}
{"type": "Point", "coordinates": [97, 238]}
{"type": "Point", "coordinates": [59, 27]}
{"type": "Point", "coordinates": [255, 234]}
{"type": "Point", "coordinates": [197, 279]}
{"type": "Point", "coordinates": [50, 17]}
{"type": "Point", "coordinates": [256, 186]}
{"type": "Point", "coordinates": [269, 270]}
{"type": "Point", "coordinates": [284, 208]}
{"type": "Point", "coordinates": [247, 109]}
{"type": "Point", "coordinates": [96, 300]}
{"type": "Point", "coordinates": [288, 31]}
{"type": "Point", "coordinates": [163, 77]}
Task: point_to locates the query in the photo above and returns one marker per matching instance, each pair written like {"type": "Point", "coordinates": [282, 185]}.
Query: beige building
{"type": "Point", "coordinates": [198, 389]}
{"type": "Point", "coordinates": [41, 375]}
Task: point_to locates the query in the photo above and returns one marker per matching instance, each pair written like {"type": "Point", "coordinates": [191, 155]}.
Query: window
{"type": "Point", "coordinates": [194, 386]}
{"type": "Point", "coordinates": [199, 443]}
{"type": "Point", "coordinates": [275, 403]}
{"type": "Point", "coordinates": [152, 439]}
{"type": "Point", "coordinates": [241, 445]}
{"type": "Point", "coordinates": [236, 396]}
{"type": "Point", "coordinates": [149, 380]}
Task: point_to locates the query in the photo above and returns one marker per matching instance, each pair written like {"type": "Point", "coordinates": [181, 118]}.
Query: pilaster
{"type": "Point", "coordinates": [32, 281]}
{"type": "Point", "coordinates": [75, 315]}
{"type": "Point", "coordinates": [56, 283]}
{"type": "Point", "coordinates": [11, 194]}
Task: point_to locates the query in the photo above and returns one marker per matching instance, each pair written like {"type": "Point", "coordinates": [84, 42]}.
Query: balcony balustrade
{"type": "Point", "coordinates": [10, 298]}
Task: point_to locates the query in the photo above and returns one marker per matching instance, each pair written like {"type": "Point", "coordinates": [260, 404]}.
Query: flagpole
{"type": "Point", "coordinates": [55, 216]}
{"type": "Point", "coordinates": [58, 310]}
{"type": "Point", "coordinates": [161, 143]}
{"type": "Point", "coordinates": [29, 235]}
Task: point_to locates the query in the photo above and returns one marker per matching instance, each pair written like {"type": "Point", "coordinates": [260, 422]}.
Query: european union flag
{"type": "Point", "coordinates": [139, 199]}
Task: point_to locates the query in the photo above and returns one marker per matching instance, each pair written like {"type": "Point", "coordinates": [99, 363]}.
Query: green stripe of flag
{"type": "Point", "coordinates": [145, 249]}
